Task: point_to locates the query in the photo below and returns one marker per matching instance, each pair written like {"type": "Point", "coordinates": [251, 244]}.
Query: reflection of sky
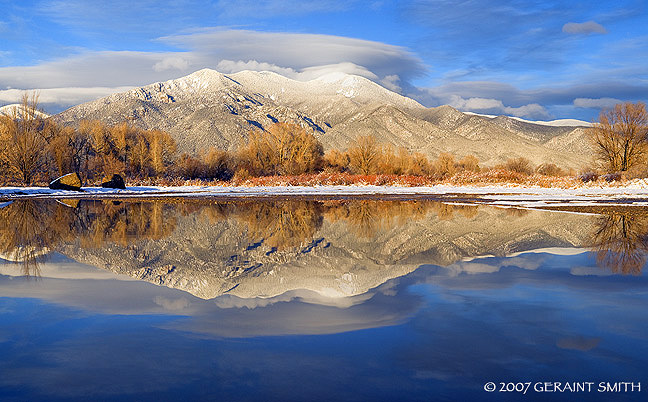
{"type": "Point", "coordinates": [438, 333]}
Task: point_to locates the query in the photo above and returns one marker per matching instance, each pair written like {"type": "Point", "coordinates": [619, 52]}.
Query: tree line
{"type": "Point", "coordinates": [34, 149]}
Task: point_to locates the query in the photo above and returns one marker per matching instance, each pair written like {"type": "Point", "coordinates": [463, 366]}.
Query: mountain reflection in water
{"type": "Point", "coordinates": [235, 241]}
{"type": "Point", "coordinates": [315, 300]}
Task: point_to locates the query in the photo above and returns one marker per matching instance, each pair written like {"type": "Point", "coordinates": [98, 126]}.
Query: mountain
{"type": "Point", "coordinates": [209, 109]}
{"type": "Point", "coordinates": [18, 109]}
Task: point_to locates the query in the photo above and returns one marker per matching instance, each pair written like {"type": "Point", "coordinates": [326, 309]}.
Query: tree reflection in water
{"type": "Point", "coordinates": [31, 229]}
{"type": "Point", "coordinates": [280, 224]}
{"type": "Point", "coordinates": [368, 218]}
{"type": "Point", "coordinates": [620, 240]}
{"type": "Point", "coordinates": [26, 235]}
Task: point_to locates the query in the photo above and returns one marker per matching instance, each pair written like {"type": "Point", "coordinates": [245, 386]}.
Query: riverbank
{"type": "Point", "coordinates": [630, 193]}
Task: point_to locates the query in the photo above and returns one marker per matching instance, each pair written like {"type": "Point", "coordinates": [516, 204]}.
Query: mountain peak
{"type": "Point", "coordinates": [211, 109]}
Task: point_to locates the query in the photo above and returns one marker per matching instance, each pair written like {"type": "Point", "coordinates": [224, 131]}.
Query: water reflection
{"type": "Point", "coordinates": [26, 233]}
{"type": "Point", "coordinates": [402, 305]}
{"type": "Point", "coordinates": [31, 229]}
{"type": "Point", "coordinates": [257, 248]}
{"type": "Point", "coordinates": [280, 225]}
{"type": "Point", "coordinates": [620, 240]}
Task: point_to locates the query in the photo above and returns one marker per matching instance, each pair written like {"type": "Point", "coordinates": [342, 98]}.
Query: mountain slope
{"type": "Point", "coordinates": [209, 109]}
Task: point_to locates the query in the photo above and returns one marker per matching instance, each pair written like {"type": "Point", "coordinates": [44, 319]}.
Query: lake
{"type": "Point", "coordinates": [329, 300]}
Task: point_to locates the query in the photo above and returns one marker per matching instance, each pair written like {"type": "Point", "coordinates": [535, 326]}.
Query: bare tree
{"type": "Point", "coordinates": [281, 149]}
{"type": "Point", "coordinates": [519, 165]}
{"type": "Point", "coordinates": [620, 137]}
{"type": "Point", "coordinates": [445, 165]}
{"type": "Point", "coordinates": [364, 155]}
{"type": "Point", "coordinates": [24, 148]}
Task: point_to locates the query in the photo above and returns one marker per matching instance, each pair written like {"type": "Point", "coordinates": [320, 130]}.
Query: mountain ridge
{"type": "Point", "coordinates": [211, 109]}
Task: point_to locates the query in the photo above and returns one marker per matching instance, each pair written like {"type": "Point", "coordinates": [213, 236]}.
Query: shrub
{"type": "Point", "coordinates": [444, 165]}
{"type": "Point", "coordinates": [218, 165]}
{"type": "Point", "coordinates": [469, 163]}
{"type": "Point", "coordinates": [519, 165]}
{"type": "Point", "coordinates": [549, 169]}
{"type": "Point", "coordinates": [336, 161]}
{"type": "Point", "coordinates": [189, 167]}
{"type": "Point", "coordinates": [364, 155]}
{"type": "Point", "coordinates": [241, 175]}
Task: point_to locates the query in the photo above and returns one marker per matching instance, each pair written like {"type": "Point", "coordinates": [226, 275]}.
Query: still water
{"type": "Point", "coordinates": [320, 301]}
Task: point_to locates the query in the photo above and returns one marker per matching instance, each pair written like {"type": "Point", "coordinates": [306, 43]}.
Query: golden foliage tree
{"type": "Point", "coordinates": [281, 149]}
{"type": "Point", "coordinates": [445, 165]}
{"type": "Point", "coordinates": [469, 163]}
{"type": "Point", "coordinates": [364, 155]}
{"type": "Point", "coordinates": [620, 137]}
{"type": "Point", "coordinates": [23, 150]}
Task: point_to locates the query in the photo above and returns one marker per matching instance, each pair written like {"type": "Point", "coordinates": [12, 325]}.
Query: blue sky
{"type": "Point", "coordinates": [533, 59]}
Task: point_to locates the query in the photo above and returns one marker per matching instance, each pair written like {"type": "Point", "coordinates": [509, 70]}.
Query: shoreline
{"type": "Point", "coordinates": [632, 194]}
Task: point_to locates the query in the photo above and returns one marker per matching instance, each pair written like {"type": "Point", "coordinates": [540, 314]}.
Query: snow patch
{"type": "Point", "coordinates": [17, 108]}
{"type": "Point", "coordinates": [634, 193]}
{"type": "Point", "coordinates": [552, 123]}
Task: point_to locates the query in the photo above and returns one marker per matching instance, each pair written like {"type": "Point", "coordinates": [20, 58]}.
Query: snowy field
{"type": "Point", "coordinates": [634, 193]}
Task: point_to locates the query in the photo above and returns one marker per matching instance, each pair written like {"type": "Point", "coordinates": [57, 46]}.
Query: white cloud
{"type": "Point", "coordinates": [585, 28]}
{"type": "Point", "coordinates": [298, 56]}
{"type": "Point", "coordinates": [596, 103]}
{"type": "Point", "coordinates": [171, 63]}
{"type": "Point", "coordinates": [472, 104]}
{"type": "Point", "coordinates": [532, 111]}
{"type": "Point", "coordinates": [65, 96]}
{"type": "Point", "coordinates": [93, 69]}
{"type": "Point", "coordinates": [391, 82]}
{"type": "Point", "coordinates": [306, 74]}
{"type": "Point", "coordinates": [347, 68]}
{"type": "Point", "coordinates": [231, 66]}
{"type": "Point", "coordinates": [300, 51]}
{"type": "Point", "coordinates": [495, 106]}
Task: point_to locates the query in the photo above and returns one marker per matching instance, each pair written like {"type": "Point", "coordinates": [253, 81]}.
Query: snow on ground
{"type": "Point", "coordinates": [633, 193]}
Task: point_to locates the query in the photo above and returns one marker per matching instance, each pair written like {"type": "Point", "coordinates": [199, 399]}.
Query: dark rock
{"type": "Point", "coordinates": [588, 176]}
{"type": "Point", "coordinates": [70, 182]}
{"type": "Point", "coordinates": [610, 177]}
{"type": "Point", "coordinates": [116, 181]}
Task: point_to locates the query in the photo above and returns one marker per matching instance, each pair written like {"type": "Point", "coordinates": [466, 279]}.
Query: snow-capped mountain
{"type": "Point", "coordinates": [210, 109]}
{"type": "Point", "coordinates": [19, 110]}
